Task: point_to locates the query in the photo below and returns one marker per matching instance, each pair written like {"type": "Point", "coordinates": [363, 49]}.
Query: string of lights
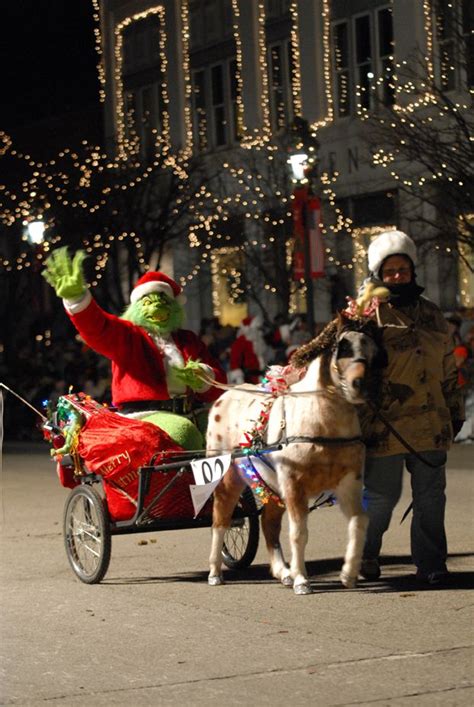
{"type": "Point", "coordinates": [51, 181]}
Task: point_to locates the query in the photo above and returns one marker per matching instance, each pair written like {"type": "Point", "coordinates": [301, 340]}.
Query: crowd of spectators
{"type": "Point", "coordinates": [462, 332]}
{"type": "Point", "coordinates": [42, 372]}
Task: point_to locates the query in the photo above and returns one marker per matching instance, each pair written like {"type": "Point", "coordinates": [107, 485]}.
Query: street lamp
{"type": "Point", "coordinates": [35, 232]}
{"type": "Point", "coordinates": [303, 205]}
{"type": "Point", "coordinates": [299, 163]}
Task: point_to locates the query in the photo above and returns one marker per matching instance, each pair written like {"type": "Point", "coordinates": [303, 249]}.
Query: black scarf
{"type": "Point", "coordinates": [402, 294]}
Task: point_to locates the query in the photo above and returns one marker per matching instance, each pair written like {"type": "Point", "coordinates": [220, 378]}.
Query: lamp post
{"type": "Point", "coordinates": [35, 232]}
{"type": "Point", "coordinates": [304, 205]}
{"type": "Point", "coordinates": [302, 149]}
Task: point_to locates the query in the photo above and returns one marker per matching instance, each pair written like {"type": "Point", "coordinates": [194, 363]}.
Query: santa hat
{"type": "Point", "coordinates": [154, 282]}
{"type": "Point", "coordinates": [390, 243]}
{"type": "Point", "coordinates": [255, 322]}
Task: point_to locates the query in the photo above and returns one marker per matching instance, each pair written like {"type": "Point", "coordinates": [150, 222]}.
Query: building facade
{"type": "Point", "coordinates": [211, 77]}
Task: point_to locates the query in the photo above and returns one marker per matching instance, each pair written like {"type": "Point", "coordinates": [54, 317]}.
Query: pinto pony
{"type": "Point", "coordinates": [316, 423]}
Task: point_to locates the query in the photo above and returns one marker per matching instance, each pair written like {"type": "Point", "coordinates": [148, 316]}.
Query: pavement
{"type": "Point", "coordinates": [154, 633]}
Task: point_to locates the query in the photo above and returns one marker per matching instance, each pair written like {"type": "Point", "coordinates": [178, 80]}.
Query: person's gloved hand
{"type": "Point", "coordinates": [190, 375]}
{"type": "Point", "coordinates": [457, 424]}
{"type": "Point", "coordinates": [65, 274]}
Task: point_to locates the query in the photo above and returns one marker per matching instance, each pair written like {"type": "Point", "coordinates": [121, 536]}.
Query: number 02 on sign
{"type": "Point", "coordinates": [207, 474]}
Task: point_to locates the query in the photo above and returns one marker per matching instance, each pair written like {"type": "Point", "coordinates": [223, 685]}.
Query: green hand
{"type": "Point", "coordinates": [190, 375]}
{"type": "Point", "coordinates": [65, 274]}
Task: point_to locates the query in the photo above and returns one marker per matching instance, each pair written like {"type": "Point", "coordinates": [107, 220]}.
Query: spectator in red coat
{"type": "Point", "coordinates": [249, 352]}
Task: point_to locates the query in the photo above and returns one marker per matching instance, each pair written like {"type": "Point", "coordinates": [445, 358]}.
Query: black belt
{"type": "Point", "coordinates": [180, 406]}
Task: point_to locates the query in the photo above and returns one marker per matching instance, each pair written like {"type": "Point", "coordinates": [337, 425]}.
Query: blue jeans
{"type": "Point", "coordinates": [383, 486]}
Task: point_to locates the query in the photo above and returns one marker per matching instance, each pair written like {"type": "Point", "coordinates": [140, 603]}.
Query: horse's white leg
{"type": "Point", "coordinates": [297, 506]}
{"type": "Point", "coordinates": [349, 495]}
{"type": "Point", "coordinates": [271, 528]}
{"type": "Point", "coordinates": [215, 558]}
{"type": "Point", "coordinates": [226, 495]}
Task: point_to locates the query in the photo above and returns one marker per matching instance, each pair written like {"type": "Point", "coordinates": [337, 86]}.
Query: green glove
{"type": "Point", "coordinates": [66, 274]}
{"type": "Point", "coordinates": [190, 375]}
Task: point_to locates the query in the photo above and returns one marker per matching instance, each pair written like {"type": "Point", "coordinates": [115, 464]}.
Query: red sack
{"type": "Point", "coordinates": [115, 447]}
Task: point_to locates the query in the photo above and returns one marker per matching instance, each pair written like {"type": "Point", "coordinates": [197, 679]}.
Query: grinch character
{"type": "Point", "coordinates": [157, 367]}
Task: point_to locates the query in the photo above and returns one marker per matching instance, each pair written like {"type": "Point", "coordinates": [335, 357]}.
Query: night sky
{"type": "Point", "coordinates": [48, 60]}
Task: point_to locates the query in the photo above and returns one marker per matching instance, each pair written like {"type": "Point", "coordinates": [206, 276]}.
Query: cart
{"type": "Point", "coordinates": [88, 527]}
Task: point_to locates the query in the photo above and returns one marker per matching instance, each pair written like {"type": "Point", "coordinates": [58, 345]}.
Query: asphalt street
{"type": "Point", "coordinates": [154, 633]}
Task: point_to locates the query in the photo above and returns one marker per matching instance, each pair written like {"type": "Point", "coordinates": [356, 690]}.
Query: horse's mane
{"type": "Point", "coordinates": [326, 339]}
{"type": "Point", "coordinates": [323, 342]}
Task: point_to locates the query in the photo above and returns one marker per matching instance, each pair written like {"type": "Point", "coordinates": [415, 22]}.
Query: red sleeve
{"type": "Point", "coordinates": [106, 333]}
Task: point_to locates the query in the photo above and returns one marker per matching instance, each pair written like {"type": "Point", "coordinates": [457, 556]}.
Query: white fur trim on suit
{"type": "Point", "coordinates": [172, 356]}
{"type": "Point", "coordinates": [236, 376]}
{"type": "Point", "coordinates": [390, 243]}
{"type": "Point", "coordinates": [147, 287]}
{"type": "Point", "coordinates": [76, 306]}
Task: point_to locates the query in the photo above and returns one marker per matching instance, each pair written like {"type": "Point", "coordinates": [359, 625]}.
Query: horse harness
{"type": "Point", "coordinates": [258, 444]}
{"type": "Point", "coordinates": [317, 439]}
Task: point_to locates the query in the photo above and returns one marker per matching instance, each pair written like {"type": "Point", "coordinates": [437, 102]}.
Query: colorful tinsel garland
{"type": "Point", "coordinates": [254, 441]}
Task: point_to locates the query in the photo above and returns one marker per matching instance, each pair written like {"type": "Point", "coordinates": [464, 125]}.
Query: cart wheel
{"type": "Point", "coordinates": [87, 534]}
{"type": "Point", "coordinates": [241, 540]}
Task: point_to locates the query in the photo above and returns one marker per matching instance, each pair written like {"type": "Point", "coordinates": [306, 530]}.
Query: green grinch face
{"type": "Point", "coordinates": [155, 312]}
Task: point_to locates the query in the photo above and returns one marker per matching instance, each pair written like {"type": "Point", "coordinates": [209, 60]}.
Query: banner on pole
{"type": "Point", "coordinates": [306, 211]}
{"type": "Point", "coordinates": [316, 249]}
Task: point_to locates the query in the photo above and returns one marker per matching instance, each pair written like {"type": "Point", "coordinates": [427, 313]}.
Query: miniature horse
{"type": "Point", "coordinates": [317, 423]}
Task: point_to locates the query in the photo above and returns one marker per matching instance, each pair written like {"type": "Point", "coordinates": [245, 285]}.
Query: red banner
{"type": "Point", "coordinates": [306, 210]}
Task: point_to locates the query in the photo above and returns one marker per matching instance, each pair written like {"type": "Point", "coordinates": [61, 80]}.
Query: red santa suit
{"type": "Point", "coordinates": [140, 361]}
{"type": "Point", "coordinates": [248, 353]}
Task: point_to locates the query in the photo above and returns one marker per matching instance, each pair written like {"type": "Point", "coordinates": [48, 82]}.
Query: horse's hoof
{"type": "Point", "coordinates": [287, 581]}
{"type": "Point", "coordinates": [216, 580]}
{"type": "Point", "coordinates": [303, 588]}
{"type": "Point", "coordinates": [348, 581]}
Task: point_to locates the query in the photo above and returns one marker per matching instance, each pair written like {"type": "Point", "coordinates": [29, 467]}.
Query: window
{"type": "Point", "coordinates": [144, 117]}
{"type": "Point", "coordinates": [216, 119]}
{"type": "Point", "coordinates": [219, 118]}
{"type": "Point", "coordinates": [370, 215]}
{"type": "Point", "coordinates": [465, 264]}
{"type": "Point", "coordinates": [385, 54]}
{"type": "Point", "coordinates": [455, 37]}
{"type": "Point", "coordinates": [341, 64]}
{"type": "Point", "coordinates": [280, 72]}
{"type": "Point", "coordinates": [276, 8]}
{"type": "Point", "coordinates": [199, 110]}
{"type": "Point", "coordinates": [445, 26]}
{"type": "Point", "coordinates": [210, 21]}
{"type": "Point", "coordinates": [236, 123]}
{"type": "Point", "coordinates": [227, 286]}
{"type": "Point", "coordinates": [362, 53]}
{"type": "Point", "coordinates": [141, 46]}
{"type": "Point", "coordinates": [363, 60]}
{"type": "Point", "coordinates": [142, 84]}
{"type": "Point", "coordinates": [468, 36]}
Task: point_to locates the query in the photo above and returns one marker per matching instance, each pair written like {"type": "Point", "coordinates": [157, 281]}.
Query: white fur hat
{"type": "Point", "coordinates": [390, 243]}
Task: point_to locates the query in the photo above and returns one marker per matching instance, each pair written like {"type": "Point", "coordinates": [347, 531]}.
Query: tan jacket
{"type": "Point", "coordinates": [420, 394]}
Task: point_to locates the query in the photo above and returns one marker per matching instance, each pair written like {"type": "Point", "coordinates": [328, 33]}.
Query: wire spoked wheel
{"type": "Point", "coordinates": [241, 540]}
{"type": "Point", "coordinates": [87, 534]}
